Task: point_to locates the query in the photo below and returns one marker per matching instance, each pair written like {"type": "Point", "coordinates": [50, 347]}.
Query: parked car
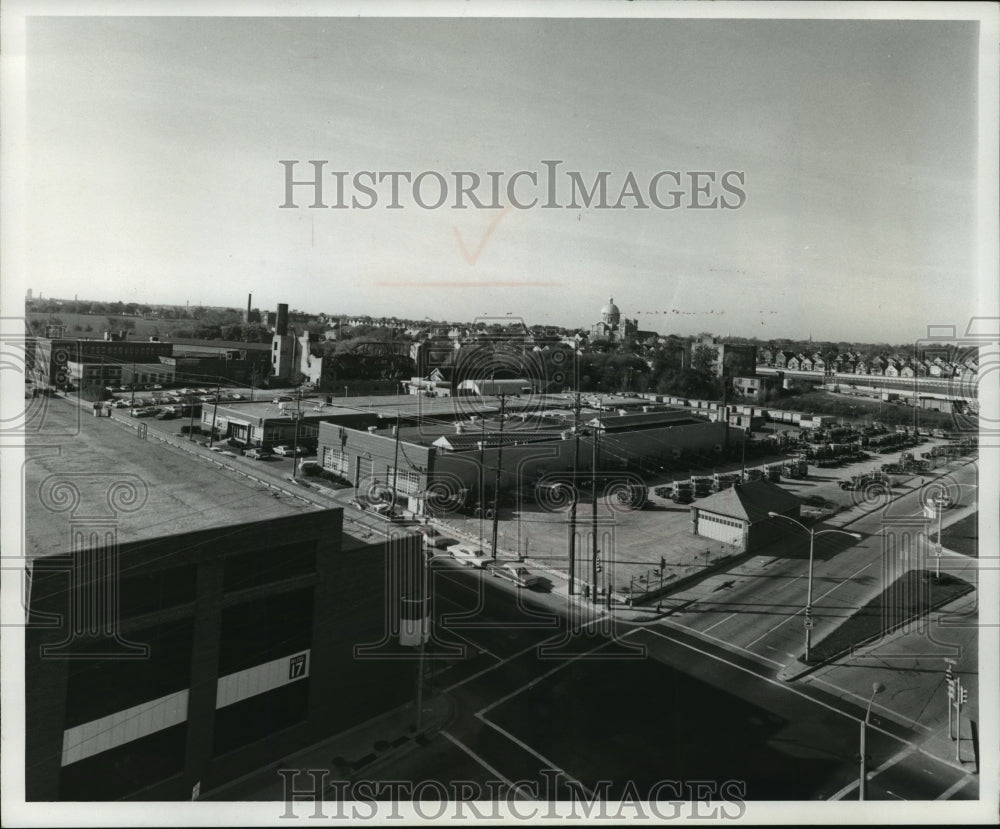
{"type": "Point", "coordinates": [282, 398]}
{"type": "Point", "coordinates": [236, 396]}
{"type": "Point", "coordinates": [282, 450]}
{"type": "Point", "coordinates": [142, 412]}
{"type": "Point", "coordinates": [167, 415]}
{"type": "Point", "coordinates": [207, 398]}
{"type": "Point", "coordinates": [307, 467]}
{"type": "Point", "coordinates": [257, 454]}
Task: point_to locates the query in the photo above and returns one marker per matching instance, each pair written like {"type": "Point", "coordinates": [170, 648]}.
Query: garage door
{"type": "Point", "coordinates": [720, 528]}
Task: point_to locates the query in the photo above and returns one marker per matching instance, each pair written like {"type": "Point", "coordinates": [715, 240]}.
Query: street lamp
{"type": "Point", "coordinates": [424, 632]}
{"type": "Point", "coordinates": [940, 502]}
{"type": "Point", "coordinates": [808, 624]}
{"type": "Point", "coordinates": [877, 687]}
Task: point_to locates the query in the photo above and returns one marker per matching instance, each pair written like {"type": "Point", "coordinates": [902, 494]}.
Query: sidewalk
{"type": "Point", "coordinates": [350, 755]}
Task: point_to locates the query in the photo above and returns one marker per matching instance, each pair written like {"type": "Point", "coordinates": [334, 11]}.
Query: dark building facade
{"type": "Point", "coordinates": [196, 658]}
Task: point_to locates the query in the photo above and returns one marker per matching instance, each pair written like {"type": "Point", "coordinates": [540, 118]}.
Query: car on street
{"type": "Point", "coordinates": [310, 466]}
{"type": "Point", "coordinates": [167, 415]}
{"type": "Point", "coordinates": [282, 398]}
{"type": "Point", "coordinates": [142, 412]}
{"type": "Point", "coordinates": [257, 454]}
{"type": "Point", "coordinates": [434, 539]}
{"type": "Point", "coordinates": [516, 572]}
{"type": "Point", "coordinates": [284, 451]}
{"type": "Point", "coordinates": [468, 554]}
{"type": "Point", "coordinates": [207, 398]}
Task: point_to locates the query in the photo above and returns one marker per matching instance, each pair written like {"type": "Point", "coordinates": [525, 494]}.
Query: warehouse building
{"type": "Point", "coordinates": [739, 515]}
{"type": "Point", "coordinates": [438, 458]}
{"type": "Point", "coordinates": [266, 425]}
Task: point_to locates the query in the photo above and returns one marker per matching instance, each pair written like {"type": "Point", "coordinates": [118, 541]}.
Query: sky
{"type": "Point", "coordinates": [154, 147]}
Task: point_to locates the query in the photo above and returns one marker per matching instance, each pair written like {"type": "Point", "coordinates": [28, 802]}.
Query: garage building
{"type": "Point", "coordinates": [739, 515]}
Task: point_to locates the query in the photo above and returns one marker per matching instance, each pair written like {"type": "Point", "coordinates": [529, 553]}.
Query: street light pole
{"type": "Point", "coordinates": [877, 687]}
{"type": "Point", "coordinates": [809, 588]}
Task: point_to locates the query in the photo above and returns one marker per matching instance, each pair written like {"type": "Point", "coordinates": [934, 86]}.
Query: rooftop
{"type": "Point", "coordinates": [751, 501]}
{"type": "Point", "coordinates": [98, 462]}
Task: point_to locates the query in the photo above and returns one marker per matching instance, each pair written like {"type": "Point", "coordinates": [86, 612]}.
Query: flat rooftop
{"type": "Point", "coordinates": [178, 492]}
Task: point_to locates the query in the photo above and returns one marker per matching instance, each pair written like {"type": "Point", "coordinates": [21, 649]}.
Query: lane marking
{"type": "Point", "coordinates": [777, 683]}
{"type": "Point", "coordinates": [815, 601]}
{"type": "Point", "coordinates": [520, 653]}
{"type": "Point", "coordinates": [875, 706]}
{"type": "Point", "coordinates": [722, 642]}
{"type": "Point", "coordinates": [954, 787]}
{"type": "Point", "coordinates": [899, 755]}
{"type": "Point", "coordinates": [485, 765]}
{"type": "Point", "coordinates": [548, 763]}
{"type": "Point", "coordinates": [532, 682]}
{"type": "Point", "coordinates": [721, 621]}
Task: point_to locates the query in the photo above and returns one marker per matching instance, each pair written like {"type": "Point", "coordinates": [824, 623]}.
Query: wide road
{"type": "Point", "coordinates": [757, 608]}
{"type": "Point", "coordinates": [551, 705]}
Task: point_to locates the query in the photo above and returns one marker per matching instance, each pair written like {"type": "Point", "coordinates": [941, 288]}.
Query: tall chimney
{"type": "Point", "coordinates": [281, 328]}
{"type": "Point", "coordinates": [249, 300]}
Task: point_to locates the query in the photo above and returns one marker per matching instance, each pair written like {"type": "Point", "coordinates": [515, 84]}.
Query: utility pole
{"type": "Point", "coordinates": [593, 503]}
{"type": "Point", "coordinates": [496, 490]}
{"type": "Point", "coordinates": [574, 494]}
{"type": "Point", "coordinates": [295, 441]}
{"type": "Point", "coordinates": [132, 404]}
{"type": "Point", "coordinates": [395, 467]}
{"type": "Point", "coordinates": [482, 481]}
{"type": "Point", "coordinates": [215, 409]}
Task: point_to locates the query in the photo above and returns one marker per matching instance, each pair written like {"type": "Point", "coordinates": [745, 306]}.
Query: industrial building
{"type": "Point", "coordinates": [268, 424]}
{"type": "Point", "coordinates": [180, 636]}
{"type": "Point", "coordinates": [434, 459]}
{"type": "Point", "coordinates": [58, 361]}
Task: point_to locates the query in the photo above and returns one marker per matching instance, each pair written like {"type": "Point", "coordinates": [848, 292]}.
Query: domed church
{"type": "Point", "coordinates": [613, 327]}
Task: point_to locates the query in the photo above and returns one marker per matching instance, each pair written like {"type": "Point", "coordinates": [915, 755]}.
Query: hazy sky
{"type": "Point", "coordinates": [155, 143]}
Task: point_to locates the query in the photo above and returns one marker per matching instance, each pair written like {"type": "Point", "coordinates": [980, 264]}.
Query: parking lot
{"type": "Point", "coordinates": [631, 543]}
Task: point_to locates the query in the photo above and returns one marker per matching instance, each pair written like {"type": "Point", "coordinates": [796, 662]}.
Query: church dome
{"type": "Point", "coordinates": [610, 312]}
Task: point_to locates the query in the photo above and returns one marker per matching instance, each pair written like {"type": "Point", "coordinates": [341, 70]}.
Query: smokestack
{"type": "Point", "coordinates": [249, 301]}
{"type": "Point", "coordinates": [281, 328]}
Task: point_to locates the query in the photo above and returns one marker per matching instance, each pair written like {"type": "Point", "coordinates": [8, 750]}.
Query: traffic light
{"type": "Point", "coordinates": [965, 696]}
{"type": "Point", "coordinates": [951, 688]}
{"type": "Point", "coordinates": [663, 562]}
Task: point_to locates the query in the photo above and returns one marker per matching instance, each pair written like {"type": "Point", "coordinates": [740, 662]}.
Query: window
{"type": "Point", "coordinates": [335, 460]}
{"type": "Point", "coordinates": [407, 483]}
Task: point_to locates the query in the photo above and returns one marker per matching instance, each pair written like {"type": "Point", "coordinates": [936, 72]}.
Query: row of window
{"type": "Point", "coordinates": [729, 522]}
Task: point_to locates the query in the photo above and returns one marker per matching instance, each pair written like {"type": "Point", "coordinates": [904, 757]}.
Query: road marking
{"type": "Point", "coordinates": [823, 596]}
{"type": "Point", "coordinates": [548, 763]}
{"type": "Point", "coordinates": [875, 706]}
{"type": "Point", "coordinates": [546, 675]}
{"type": "Point", "coordinates": [515, 656]}
{"type": "Point", "coordinates": [783, 685]}
{"type": "Point", "coordinates": [484, 764]}
{"type": "Point", "coordinates": [954, 787]}
{"type": "Point", "coordinates": [721, 621]}
{"type": "Point", "coordinates": [475, 645]}
{"type": "Point", "coordinates": [722, 642]}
